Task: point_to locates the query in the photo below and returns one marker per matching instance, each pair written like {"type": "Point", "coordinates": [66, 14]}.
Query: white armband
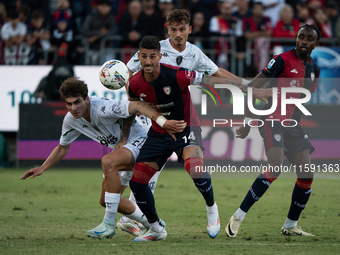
{"type": "Point", "coordinates": [161, 120]}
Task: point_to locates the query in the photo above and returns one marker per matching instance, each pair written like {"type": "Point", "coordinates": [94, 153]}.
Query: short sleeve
{"type": "Point", "coordinates": [134, 64]}
{"type": "Point", "coordinates": [68, 133]}
{"type": "Point", "coordinates": [204, 64]}
{"type": "Point", "coordinates": [131, 93]}
{"type": "Point", "coordinates": [274, 68]}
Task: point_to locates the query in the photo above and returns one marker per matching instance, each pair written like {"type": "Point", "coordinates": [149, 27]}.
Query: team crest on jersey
{"type": "Point", "coordinates": [179, 60]}
{"type": "Point", "coordinates": [167, 90]}
{"type": "Point", "coordinates": [277, 137]}
{"type": "Point", "coordinates": [312, 76]}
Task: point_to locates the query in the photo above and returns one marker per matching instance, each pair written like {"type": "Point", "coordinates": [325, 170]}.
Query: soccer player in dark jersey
{"type": "Point", "coordinates": [166, 88]}
{"type": "Point", "coordinates": [294, 68]}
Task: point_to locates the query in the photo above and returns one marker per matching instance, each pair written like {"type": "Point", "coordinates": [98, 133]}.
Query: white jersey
{"type": "Point", "coordinates": [192, 58]}
{"type": "Point", "coordinates": [106, 124]}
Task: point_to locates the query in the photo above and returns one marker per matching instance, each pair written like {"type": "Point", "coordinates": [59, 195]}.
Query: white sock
{"type": "Point", "coordinates": [125, 219]}
{"type": "Point", "coordinates": [212, 209]}
{"type": "Point", "coordinates": [156, 226]}
{"type": "Point", "coordinates": [240, 213]}
{"type": "Point", "coordinates": [111, 202]}
{"type": "Point", "coordinates": [290, 223]}
{"type": "Point", "coordinates": [138, 215]}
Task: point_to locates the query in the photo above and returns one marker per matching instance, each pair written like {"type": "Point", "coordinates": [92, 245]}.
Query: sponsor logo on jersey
{"type": "Point", "coordinates": [167, 90]}
{"type": "Point", "coordinates": [106, 140]}
{"type": "Point", "coordinates": [277, 137]}
{"type": "Point", "coordinates": [295, 83]}
{"type": "Point", "coordinates": [165, 54]}
{"type": "Point", "coordinates": [312, 76]}
{"type": "Point", "coordinates": [271, 63]}
{"type": "Point", "coordinates": [294, 71]}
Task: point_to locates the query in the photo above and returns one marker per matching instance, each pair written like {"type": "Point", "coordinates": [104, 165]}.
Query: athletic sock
{"type": "Point", "coordinates": [201, 179]}
{"type": "Point", "coordinates": [240, 213]}
{"type": "Point", "coordinates": [111, 202]}
{"type": "Point", "coordinates": [204, 186]}
{"type": "Point", "coordinates": [257, 189]}
{"type": "Point", "coordinates": [290, 223]}
{"type": "Point", "coordinates": [300, 196]}
{"type": "Point", "coordinates": [137, 215]}
{"type": "Point", "coordinates": [157, 226]}
{"type": "Point", "coordinates": [145, 200]}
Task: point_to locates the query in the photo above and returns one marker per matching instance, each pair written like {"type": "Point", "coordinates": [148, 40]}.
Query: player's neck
{"type": "Point", "coordinates": [87, 114]}
{"type": "Point", "coordinates": [179, 48]}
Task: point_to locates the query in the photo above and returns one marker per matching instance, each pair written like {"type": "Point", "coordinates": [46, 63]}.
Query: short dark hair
{"type": "Point", "coordinates": [150, 43]}
{"type": "Point", "coordinates": [14, 14]}
{"type": "Point", "coordinates": [73, 87]}
{"type": "Point", "coordinates": [37, 14]}
{"type": "Point", "coordinates": [178, 15]}
{"type": "Point", "coordinates": [104, 2]}
{"type": "Point", "coordinates": [313, 28]}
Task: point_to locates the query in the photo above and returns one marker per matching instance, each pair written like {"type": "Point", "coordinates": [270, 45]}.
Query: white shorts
{"type": "Point", "coordinates": [134, 146]}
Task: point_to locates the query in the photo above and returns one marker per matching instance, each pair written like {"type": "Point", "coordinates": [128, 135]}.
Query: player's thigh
{"type": "Point", "coordinates": [121, 159]}
{"type": "Point", "coordinates": [189, 143]}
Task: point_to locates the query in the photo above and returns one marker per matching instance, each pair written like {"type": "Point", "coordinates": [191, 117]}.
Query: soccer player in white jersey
{"type": "Point", "coordinates": [101, 119]}
{"type": "Point", "coordinates": [177, 51]}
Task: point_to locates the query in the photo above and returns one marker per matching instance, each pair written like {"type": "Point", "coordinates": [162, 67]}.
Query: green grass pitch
{"type": "Point", "coordinates": [51, 214]}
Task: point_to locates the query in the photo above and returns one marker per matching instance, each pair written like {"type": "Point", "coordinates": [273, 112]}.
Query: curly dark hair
{"type": "Point", "coordinates": [178, 15]}
{"type": "Point", "coordinates": [73, 87]}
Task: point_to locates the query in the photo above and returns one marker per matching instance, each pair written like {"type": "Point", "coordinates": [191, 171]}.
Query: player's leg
{"type": "Point", "coordinates": [143, 172]}
{"type": "Point", "coordinates": [299, 155]}
{"type": "Point", "coordinates": [119, 160]}
{"type": "Point", "coordinates": [273, 140]}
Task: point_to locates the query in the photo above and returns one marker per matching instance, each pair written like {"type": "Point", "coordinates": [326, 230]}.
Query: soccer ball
{"type": "Point", "coordinates": [114, 74]}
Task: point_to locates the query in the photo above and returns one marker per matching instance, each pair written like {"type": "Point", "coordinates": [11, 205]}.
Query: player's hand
{"type": "Point", "coordinates": [33, 173]}
{"type": "Point", "coordinates": [262, 94]}
{"type": "Point", "coordinates": [122, 142]}
{"type": "Point", "coordinates": [174, 126]}
{"type": "Point", "coordinates": [242, 131]}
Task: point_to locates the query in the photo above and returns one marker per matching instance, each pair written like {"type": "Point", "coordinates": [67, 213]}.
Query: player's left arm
{"type": "Point", "coordinates": [222, 73]}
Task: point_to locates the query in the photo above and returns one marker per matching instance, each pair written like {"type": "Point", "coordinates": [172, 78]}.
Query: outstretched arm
{"type": "Point", "coordinates": [258, 93]}
{"type": "Point", "coordinates": [243, 131]}
{"type": "Point", "coordinates": [172, 126]}
{"type": "Point", "coordinates": [56, 155]}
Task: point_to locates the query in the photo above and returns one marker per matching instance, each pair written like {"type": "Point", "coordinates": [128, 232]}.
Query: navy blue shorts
{"type": "Point", "coordinates": [292, 139]}
{"type": "Point", "coordinates": [159, 147]}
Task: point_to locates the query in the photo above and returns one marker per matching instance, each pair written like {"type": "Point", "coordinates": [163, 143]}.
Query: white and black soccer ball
{"type": "Point", "coordinates": [114, 74]}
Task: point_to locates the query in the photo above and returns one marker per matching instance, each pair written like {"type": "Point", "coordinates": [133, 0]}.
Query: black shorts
{"type": "Point", "coordinates": [292, 139]}
{"type": "Point", "coordinates": [159, 147]}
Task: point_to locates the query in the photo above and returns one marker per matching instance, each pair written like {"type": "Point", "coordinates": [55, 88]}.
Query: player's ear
{"type": "Point", "coordinates": [138, 55]}
{"type": "Point", "coordinates": [190, 29]}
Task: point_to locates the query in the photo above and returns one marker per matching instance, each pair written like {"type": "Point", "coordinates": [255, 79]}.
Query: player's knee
{"type": "Point", "coordinates": [194, 167]}
{"type": "Point", "coordinates": [108, 165]}
{"type": "Point", "coordinates": [143, 173]}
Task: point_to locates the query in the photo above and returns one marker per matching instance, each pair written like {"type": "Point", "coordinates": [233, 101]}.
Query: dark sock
{"type": "Point", "coordinates": [300, 196]}
{"type": "Point", "coordinates": [144, 200]}
{"type": "Point", "coordinates": [257, 189]}
{"type": "Point", "coordinates": [204, 185]}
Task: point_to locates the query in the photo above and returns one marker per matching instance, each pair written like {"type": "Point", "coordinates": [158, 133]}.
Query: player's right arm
{"type": "Point", "coordinates": [56, 155]}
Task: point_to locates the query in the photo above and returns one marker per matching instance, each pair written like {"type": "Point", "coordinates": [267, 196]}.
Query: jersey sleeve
{"type": "Point", "coordinates": [68, 133]}
{"type": "Point", "coordinates": [131, 91]}
{"type": "Point", "coordinates": [134, 64]}
{"type": "Point", "coordinates": [204, 64]}
{"type": "Point", "coordinates": [113, 109]}
{"type": "Point", "coordinates": [186, 77]}
{"type": "Point", "coordinates": [274, 68]}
